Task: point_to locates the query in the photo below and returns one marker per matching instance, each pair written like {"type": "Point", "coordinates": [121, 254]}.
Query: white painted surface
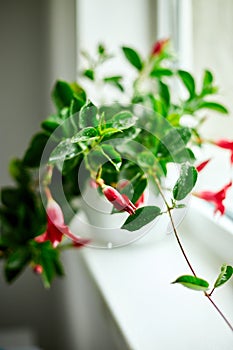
{"type": "Point", "coordinates": [135, 282]}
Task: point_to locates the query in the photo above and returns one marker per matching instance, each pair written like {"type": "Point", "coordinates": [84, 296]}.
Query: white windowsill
{"type": "Point", "coordinates": [135, 282]}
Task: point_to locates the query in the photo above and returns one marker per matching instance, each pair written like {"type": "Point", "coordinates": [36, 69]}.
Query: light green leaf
{"type": "Point", "coordinates": [225, 274]}
{"type": "Point", "coordinates": [146, 159]}
{"type": "Point", "coordinates": [192, 282]}
{"type": "Point", "coordinates": [142, 217]}
{"type": "Point", "coordinates": [122, 120]}
{"type": "Point", "coordinates": [186, 181]}
{"type": "Point", "coordinates": [64, 150]}
{"type": "Point", "coordinates": [133, 57]}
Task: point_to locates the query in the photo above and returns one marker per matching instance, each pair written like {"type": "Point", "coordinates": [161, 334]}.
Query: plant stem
{"type": "Point", "coordinates": [185, 255]}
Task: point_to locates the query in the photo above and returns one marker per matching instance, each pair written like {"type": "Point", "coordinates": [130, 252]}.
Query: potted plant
{"type": "Point", "coordinates": [138, 154]}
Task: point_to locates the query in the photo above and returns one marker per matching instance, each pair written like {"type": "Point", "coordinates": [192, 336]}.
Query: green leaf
{"type": "Point", "coordinates": [115, 81]}
{"type": "Point", "coordinates": [112, 155]}
{"type": "Point", "coordinates": [133, 57]}
{"type": "Point", "coordinates": [146, 159]}
{"type": "Point", "coordinates": [142, 217]}
{"type": "Point", "coordinates": [188, 81]}
{"type": "Point", "coordinates": [32, 157]}
{"type": "Point", "coordinates": [64, 150]}
{"type": "Point", "coordinates": [85, 134]}
{"type": "Point", "coordinates": [225, 274]}
{"type": "Point", "coordinates": [186, 181]}
{"type": "Point", "coordinates": [89, 73]}
{"type": "Point", "coordinates": [16, 262]}
{"type": "Point", "coordinates": [52, 123]}
{"type": "Point", "coordinates": [19, 172]}
{"type": "Point", "coordinates": [164, 92]}
{"type": "Point", "coordinates": [214, 106]}
{"type": "Point", "coordinates": [193, 282]}
{"type": "Point", "coordinates": [122, 120]}
{"type": "Point", "coordinates": [88, 116]}
{"type": "Point", "coordinates": [159, 72]}
{"type": "Point", "coordinates": [62, 94]}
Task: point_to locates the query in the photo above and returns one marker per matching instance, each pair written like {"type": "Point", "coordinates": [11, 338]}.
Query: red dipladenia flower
{"type": "Point", "coordinates": [56, 227]}
{"type": "Point", "coordinates": [226, 144]}
{"type": "Point", "coordinates": [159, 46]}
{"type": "Point", "coordinates": [119, 201]}
{"type": "Point", "coordinates": [202, 165]}
{"type": "Point", "coordinates": [216, 198]}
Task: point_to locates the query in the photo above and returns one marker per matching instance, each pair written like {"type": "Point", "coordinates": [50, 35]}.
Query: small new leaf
{"type": "Point", "coordinates": [192, 282]}
{"type": "Point", "coordinates": [225, 274]}
{"type": "Point", "coordinates": [142, 217]}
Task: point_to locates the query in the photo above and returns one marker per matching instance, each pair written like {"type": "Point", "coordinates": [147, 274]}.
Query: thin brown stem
{"type": "Point", "coordinates": [185, 255]}
{"type": "Point", "coordinates": [219, 311]}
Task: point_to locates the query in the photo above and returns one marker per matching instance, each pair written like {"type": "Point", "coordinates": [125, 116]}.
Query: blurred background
{"type": "Point", "coordinates": [40, 41]}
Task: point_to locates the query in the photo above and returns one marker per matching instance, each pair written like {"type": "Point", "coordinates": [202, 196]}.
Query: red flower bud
{"type": "Point", "coordinates": [202, 165]}
{"type": "Point", "coordinates": [159, 47]}
{"type": "Point", "coordinates": [119, 201]}
{"type": "Point", "coordinates": [38, 269]}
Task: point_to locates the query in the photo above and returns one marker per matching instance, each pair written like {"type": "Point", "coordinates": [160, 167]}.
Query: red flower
{"type": "Point", "coordinates": [38, 269]}
{"type": "Point", "coordinates": [159, 47]}
{"type": "Point", "coordinates": [122, 184]}
{"type": "Point", "coordinates": [226, 144]}
{"type": "Point", "coordinates": [202, 165]}
{"type": "Point", "coordinates": [56, 227]}
{"type": "Point", "coordinates": [119, 201]}
{"type": "Point", "coordinates": [216, 198]}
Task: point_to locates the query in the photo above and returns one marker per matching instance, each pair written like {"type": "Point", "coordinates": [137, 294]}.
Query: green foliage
{"type": "Point", "coordinates": [142, 217]}
{"type": "Point", "coordinates": [225, 274]}
{"type": "Point", "coordinates": [133, 57]}
{"type": "Point", "coordinates": [186, 181]}
{"type": "Point", "coordinates": [193, 282]}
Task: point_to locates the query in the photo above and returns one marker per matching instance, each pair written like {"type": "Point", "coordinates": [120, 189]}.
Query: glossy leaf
{"type": "Point", "coordinates": [122, 120]}
{"type": "Point", "coordinates": [193, 282]}
{"type": "Point", "coordinates": [142, 217]}
{"type": "Point", "coordinates": [159, 72]}
{"type": "Point", "coordinates": [186, 181]}
{"type": "Point", "coordinates": [62, 94]}
{"type": "Point", "coordinates": [146, 159]}
{"type": "Point", "coordinates": [64, 150]}
{"type": "Point", "coordinates": [225, 274]}
{"type": "Point", "coordinates": [85, 134]}
{"type": "Point", "coordinates": [88, 115]}
{"type": "Point", "coordinates": [89, 73]}
{"type": "Point", "coordinates": [188, 81]}
{"type": "Point", "coordinates": [133, 57]}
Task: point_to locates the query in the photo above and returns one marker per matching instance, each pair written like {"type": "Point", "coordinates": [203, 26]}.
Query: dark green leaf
{"type": "Point", "coordinates": [207, 79]}
{"type": "Point", "coordinates": [19, 172]}
{"type": "Point", "coordinates": [62, 94]}
{"type": "Point", "coordinates": [115, 81]}
{"type": "Point", "coordinates": [188, 81]}
{"type": "Point", "coordinates": [142, 217]}
{"type": "Point", "coordinates": [32, 157]}
{"type": "Point", "coordinates": [85, 134]}
{"type": "Point", "coordinates": [225, 274]}
{"type": "Point", "coordinates": [88, 116]}
{"type": "Point", "coordinates": [16, 262]}
{"type": "Point", "coordinates": [133, 57]}
{"type": "Point", "coordinates": [64, 150]}
{"type": "Point", "coordinates": [193, 282]}
{"type": "Point", "coordinates": [214, 106]}
{"type": "Point", "coordinates": [51, 123]}
{"type": "Point", "coordinates": [186, 181]}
